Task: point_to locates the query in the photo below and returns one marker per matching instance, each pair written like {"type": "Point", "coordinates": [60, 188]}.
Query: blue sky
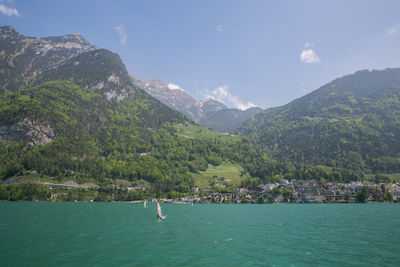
{"type": "Point", "coordinates": [244, 53]}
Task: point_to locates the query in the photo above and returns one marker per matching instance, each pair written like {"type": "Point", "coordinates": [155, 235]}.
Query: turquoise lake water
{"type": "Point", "coordinates": [123, 234]}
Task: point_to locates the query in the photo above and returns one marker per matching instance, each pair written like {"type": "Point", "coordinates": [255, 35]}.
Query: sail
{"type": "Point", "coordinates": [159, 211]}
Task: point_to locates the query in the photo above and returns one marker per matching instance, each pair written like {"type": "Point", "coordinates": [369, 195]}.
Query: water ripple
{"type": "Point", "coordinates": [120, 234]}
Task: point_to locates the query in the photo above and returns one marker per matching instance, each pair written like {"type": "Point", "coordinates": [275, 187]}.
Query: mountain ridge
{"type": "Point", "coordinates": [352, 122]}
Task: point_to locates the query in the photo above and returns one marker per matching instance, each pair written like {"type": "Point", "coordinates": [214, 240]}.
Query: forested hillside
{"type": "Point", "coordinates": [83, 120]}
{"type": "Point", "coordinates": [352, 122]}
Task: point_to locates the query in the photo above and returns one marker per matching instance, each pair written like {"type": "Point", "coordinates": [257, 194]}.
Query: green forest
{"type": "Point", "coordinates": [352, 123]}
{"type": "Point", "coordinates": [97, 139]}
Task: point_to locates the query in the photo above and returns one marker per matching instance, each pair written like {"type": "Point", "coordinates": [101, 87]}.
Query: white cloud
{"type": "Point", "coordinates": [393, 30]}
{"type": "Point", "coordinates": [221, 94]}
{"type": "Point", "coordinates": [122, 35]}
{"type": "Point", "coordinates": [8, 11]}
{"type": "Point", "coordinates": [173, 86]}
{"type": "Point", "coordinates": [309, 56]}
{"type": "Point", "coordinates": [219, 28]}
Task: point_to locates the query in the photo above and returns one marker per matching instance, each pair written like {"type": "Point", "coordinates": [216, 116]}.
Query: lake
{"type": "Point", "coordinates": [124, 234]}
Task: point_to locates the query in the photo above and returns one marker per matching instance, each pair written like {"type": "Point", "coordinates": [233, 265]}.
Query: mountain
{"type": "Point", "coordinates": [70, 61]}
{"type": "Point", "coordinates": [351, 122]}
{"type": "Point", "coordinates": [209, 113]}
{"type": "Point", "coordinates": [225, 120]}
{"type": "Point", "coordinates": [78, 116]}
{"type": "Point", "coordinates": [177, 98]}
{"type": "Point", "coordinates": [23, 58]}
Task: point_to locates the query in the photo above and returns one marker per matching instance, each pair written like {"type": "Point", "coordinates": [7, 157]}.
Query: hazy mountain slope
{"type": "Point", "coordinates": [225, 120]}
{"type": "Point", "coordinates": [178, 98]}
{"type": "Point", "coordinates": [353, 122]}
{"type": "Point", "coordinates": [209, 113]}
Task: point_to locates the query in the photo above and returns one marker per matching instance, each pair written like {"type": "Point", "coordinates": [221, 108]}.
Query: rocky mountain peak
{"type": "Point", "coordinates": [23, 58]}
{"type": "Point", "coordinates": [208, 112]}
{"type": "Point", "coordinates": [211, 101]}
{"type": "Point", "coordinates": [74, 40]}
{"type": "Point", "coordinates": [177, 98]}
{"type": "Point", "coordinates": [7, 30]}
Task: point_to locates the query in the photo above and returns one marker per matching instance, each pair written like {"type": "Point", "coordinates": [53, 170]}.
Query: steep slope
{"type": "Point", "coordinates": [225, 120]}
{"type": "Point", "coordinates": [352, 122]}
{"type": "Point", "coordinates": [22, 58]}
{"type": "Point", "coordinates": [99, 70]}
{"type": "Point", "coordinates": [177, 98]}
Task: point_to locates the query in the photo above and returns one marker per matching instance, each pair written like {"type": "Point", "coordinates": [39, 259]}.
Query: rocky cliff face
{"type": "Point", "coordinates": [177, 98]}
{"type": "Point", "coordinates": [31, 132]}
{"type": "Point", "coordinates": [23, 58]}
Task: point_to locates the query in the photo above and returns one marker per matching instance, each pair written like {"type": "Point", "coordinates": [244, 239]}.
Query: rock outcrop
{"type": "Point", "coordinates": [30, 132]}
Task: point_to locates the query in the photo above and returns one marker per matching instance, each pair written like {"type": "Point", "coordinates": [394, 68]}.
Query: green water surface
{"type": "Point", "coordinates": [123, 234]}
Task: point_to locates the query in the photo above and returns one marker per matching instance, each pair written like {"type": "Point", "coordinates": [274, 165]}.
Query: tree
{"type": "Point", "coordinates": [389, 196]}
{"type": "Point", "coordinates": [347, 197]}
{"type": "Point", "coordinates": [363, 195]}
{"type": "Point", "coordinates": [4, 195]}
{"type": "Point", "coordinates": [260, 200]}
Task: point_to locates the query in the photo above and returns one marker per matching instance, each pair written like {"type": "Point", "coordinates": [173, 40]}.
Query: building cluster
{"type": "Point", "coordinates": [296, 192]}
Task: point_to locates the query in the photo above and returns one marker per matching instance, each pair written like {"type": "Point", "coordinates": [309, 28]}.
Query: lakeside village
{"type": "Point", "coordinates": [294, 191]}
{"type": "Point", "coordinates": [297, 192]}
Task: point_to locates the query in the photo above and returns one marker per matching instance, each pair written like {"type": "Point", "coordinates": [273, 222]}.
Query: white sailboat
{"type": "Point", "coordinates": [159, 212]}
{"type": "Point", "coordinates": [144, 204]}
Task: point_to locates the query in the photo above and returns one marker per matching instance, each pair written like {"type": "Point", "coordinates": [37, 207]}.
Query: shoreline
{"type": "Point", "coordinates": [211, 203]}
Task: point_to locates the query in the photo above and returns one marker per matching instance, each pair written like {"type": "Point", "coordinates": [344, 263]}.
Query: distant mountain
{"type": "Point", "coordinates": [209, 113]}
{"type": "Point", "coordinates": [225, 120]}
{"type": "Point", "coordinates": [177, 98]}
{"type": "Point", "coordinates": [352, 122]}
{"type": "Point", "coordinates": [23, 58]}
